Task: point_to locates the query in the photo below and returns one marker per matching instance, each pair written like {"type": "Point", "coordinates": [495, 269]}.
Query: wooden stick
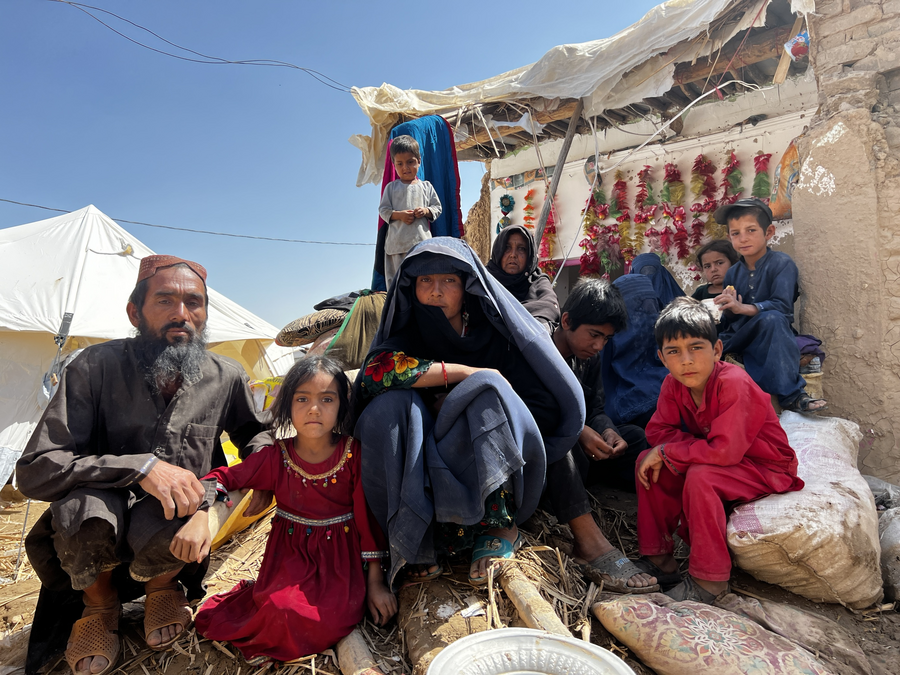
{"type": "Point", "coordinates": [785, 61]}
{"type": "Point", "coordinates": [533, 609]}
{"type": "Point", "coordinates": [557, 173]}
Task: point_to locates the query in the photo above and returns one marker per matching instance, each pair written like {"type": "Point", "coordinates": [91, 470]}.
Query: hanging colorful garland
{"type": "Point", "coordinates": [547, 264]}
{"type": "Point", "coordinates": [645, 207]}
{"type": "Point", "coordinates": [528, 218]}
{"type": "Point", "coordinates": [731, 185]}
{"type": "Point", "coordinates": [703, 186]}
{"type": "Point", "coordinates": [762, 186]}
{"type": "Point", "coordinates": [619, 211]}
{"type": "Point", "coordinates": [595, 211]}
{"type": "Point", "coordinates": [506, 206]}
{"type": "Point", "coordinates": [672, 196]}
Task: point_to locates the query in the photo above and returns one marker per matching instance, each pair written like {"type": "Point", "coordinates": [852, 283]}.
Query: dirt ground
{"type": "Point", "coordinates": [430, 613]}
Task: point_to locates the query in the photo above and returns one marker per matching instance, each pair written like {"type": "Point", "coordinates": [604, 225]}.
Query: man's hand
{"type": "Point", "coordinates": [422, 212]}
{"type": "Point", "coordinates": [191, 542]}
{"type": "Point", "coordinates": [616, 442]}
{"type": "Point", "coordinates": [650, 467]}
{"type": "Point", "coordinates": [594, 445]}
{"type": "Point", "coordinates": [177, 489]}
{"type": "Point", "coordinates": [259, 502]}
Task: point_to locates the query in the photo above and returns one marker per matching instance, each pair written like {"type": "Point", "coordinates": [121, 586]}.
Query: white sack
{"type": "Point", "coordinates": [821, 542]}
{"type": "Point", "coordinates": [889, 532]}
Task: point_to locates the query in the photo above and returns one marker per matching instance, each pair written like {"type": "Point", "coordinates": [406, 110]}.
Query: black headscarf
{"type": "Point", "coordinates": [531, 287]}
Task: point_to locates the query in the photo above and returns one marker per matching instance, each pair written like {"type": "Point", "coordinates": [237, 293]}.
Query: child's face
{"type": "Point", "coordinates": [588, 339]}
{"type": "Point", "coordinates": [314, 411]}
{"type": "Point", "coordinates": [714, 265]}
{"type": "Point", "coordinates": [691, 360]}
{"type": "Point", "coordinates": [406, 165]}
{"type": "Point", "coordinates": [748, 237]}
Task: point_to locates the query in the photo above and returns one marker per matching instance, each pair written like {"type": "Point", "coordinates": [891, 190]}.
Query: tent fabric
{"type": "Point", "coordinates": [84, 264]}
{"type": "Point", "coordinates": [595, 71]}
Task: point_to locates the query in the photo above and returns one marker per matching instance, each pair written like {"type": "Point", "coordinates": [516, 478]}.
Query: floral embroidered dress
{"type": "Point", "coordinates": [311, 588]}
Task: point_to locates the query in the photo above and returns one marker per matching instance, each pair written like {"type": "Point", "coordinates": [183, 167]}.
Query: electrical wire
{"type": "Point", "coordinates": [205, 58]}
{"type": "Point", "coordinates": [210, 232]}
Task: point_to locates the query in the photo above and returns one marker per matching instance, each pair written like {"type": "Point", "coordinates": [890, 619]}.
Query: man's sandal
{"type": "Point", "coordinates": [412, 578]}
{"type": "Point", "coordinates": [613, 569]}
{"type": "Point", "coordinates": [95, 635]}
{"type": "Point", "coordinates": [166, 607]}
{"type": "Point", "coordinates": [802, 402]}
{"type": "Point", "coordinates": [689, 589]}
{"type": "Point", "coordinates": [489, 546]}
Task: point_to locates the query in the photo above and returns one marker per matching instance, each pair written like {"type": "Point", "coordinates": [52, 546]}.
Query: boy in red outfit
{"type": "Point", "coordinates": [716, 441]}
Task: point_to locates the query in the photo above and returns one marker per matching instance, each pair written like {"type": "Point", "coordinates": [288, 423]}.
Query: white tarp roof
{"type": "Point", "coordinates": [85, 264]}
{"type": "Point", "coordinates": [590, 70]}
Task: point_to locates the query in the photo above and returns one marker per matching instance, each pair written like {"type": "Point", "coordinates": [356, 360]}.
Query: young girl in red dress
{"type": "Point", "coordinates": [312, 588]}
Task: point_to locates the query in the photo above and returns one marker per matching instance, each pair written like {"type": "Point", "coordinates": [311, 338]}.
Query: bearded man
{"type": "Point", "coordinates": [118, 454]}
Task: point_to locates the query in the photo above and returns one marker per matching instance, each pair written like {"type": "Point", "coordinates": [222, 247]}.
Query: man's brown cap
{"type": "Point", "coordinates": [153, 263]}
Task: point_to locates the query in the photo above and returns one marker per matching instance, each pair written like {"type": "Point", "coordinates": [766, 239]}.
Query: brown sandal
{"type": "Point", "coordinates": [165, 607]}
{"type": "Point", "coordinates": [95, 635]}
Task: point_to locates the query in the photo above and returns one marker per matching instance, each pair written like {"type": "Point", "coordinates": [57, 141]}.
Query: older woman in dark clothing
{"type": "Point", "coordinates": [466, 401]}
{"type": "Point", "coordinates": [514, 263]}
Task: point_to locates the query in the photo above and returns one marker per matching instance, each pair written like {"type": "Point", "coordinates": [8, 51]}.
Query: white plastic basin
{"type": "Point", "coordinates": [525, 651]}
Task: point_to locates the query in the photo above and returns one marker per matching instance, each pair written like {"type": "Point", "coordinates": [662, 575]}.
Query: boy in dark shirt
{"type": "Point", "coordinates": [758, 306]}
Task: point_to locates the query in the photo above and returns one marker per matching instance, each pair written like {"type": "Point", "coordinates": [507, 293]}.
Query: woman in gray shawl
{"type": "Point", "coordinates": [466, 401]}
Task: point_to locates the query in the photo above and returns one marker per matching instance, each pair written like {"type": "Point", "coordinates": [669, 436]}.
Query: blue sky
{"type": "Point", "coordinates": [90, 118]}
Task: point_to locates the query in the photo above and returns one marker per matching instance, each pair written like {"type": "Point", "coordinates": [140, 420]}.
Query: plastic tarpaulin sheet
{"type": "Point", "coordinates": [591, 70]}
{"type": "Point", "coordinates": [84, 264]}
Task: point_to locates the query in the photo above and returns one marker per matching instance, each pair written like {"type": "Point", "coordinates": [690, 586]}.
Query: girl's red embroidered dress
{"type": "Point", "coordinates": [311, 589]}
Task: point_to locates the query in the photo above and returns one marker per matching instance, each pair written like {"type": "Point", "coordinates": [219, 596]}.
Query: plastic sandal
{"type": "Point", "coordinates": [666, 580]}
{"type": "Point", "coordinates": [95, 635]}
{"type": "Point", "coordinates": [165, 607]}
{"type": "Point", "coordinates": [802, 402]}
{"type": "Point", "coordinates": [689, 589]}
{"type": "Point", "coordinates": [613, 569]}
{"type": "Point", "coordinates": [487, 546]}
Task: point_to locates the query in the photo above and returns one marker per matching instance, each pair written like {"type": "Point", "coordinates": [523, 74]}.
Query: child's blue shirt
{"type": "Point", "coordinates": [773, 286]}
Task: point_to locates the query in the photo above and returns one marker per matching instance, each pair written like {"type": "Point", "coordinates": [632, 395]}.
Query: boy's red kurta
{"type": "Point", "coordinates": [311, 588]}
{"type": "Point", "coordinates": [729, 449]}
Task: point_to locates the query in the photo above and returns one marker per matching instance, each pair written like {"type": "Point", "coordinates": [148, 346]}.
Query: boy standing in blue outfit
{"type": "Point", "coordinates": [408, 206]}
{"type": "Point", "coordinates": [758, 306]}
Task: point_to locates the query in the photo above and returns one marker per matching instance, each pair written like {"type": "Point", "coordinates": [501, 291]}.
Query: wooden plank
{"type": "Point", "coordinates": [533, 609]}
{"type": "Point", "coordinates": [557, 174]}
{"type": "Point", "coordinates": [785, 62]}
{"type": "Point", "coordinates": [759, 47]}
{"type": "Point", "coordinates": [481, 137]}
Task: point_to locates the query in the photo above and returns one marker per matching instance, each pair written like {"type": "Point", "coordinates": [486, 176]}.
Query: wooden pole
{"type": "Point", "coordinates": [354, 657]}
{"type": "Point", "coordinates": [557, 173]}
{"type": "Point", "coordinates": [785, 62]}
{"type": "Point", "coordinates": [533, 609]}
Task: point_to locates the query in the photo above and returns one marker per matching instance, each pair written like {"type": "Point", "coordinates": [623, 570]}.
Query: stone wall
{"type": "Point", "coordinates": [846, 211]}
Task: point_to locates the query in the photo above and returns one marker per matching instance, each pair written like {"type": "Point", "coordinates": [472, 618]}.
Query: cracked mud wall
{"type": "Point", "coordinates": [846, 210]}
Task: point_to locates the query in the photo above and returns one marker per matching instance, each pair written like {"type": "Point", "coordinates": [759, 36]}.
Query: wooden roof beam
{"type": "Point", "coordinates": [482, 137]}
{"type": "Point", "coordinates": [765, 45]}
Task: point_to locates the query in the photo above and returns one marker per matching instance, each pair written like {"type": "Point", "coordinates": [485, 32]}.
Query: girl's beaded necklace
{"type": "Point", "coordinates": [299, 472]}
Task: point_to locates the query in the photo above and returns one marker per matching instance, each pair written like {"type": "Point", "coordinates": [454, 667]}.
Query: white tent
{"type": "Point", "coordinates": [82, 266]}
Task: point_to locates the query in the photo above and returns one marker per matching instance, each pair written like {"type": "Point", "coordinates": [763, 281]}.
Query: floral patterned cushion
{"type": "Point", "coordinates": [687, 638]}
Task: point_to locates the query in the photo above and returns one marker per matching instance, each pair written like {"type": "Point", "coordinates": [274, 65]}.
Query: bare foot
{"type": "Point", "coordinates": [479, 568]}
{"type": "Point", "coordinates": [420, 571]}
{"type": "Point", "coordinates": [91, 664]}
{"type": "Point", "coordinates": [591, 544]}
{"type": "Point", "coordinates": [164, 634]}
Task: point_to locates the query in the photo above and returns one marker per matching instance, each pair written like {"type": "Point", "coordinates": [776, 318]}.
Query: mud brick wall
{"type": "Point", "coordinates": [846, 211]}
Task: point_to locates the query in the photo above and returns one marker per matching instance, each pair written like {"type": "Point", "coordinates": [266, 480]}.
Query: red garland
{"type": "Point", "coordinates": [547, 265]}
